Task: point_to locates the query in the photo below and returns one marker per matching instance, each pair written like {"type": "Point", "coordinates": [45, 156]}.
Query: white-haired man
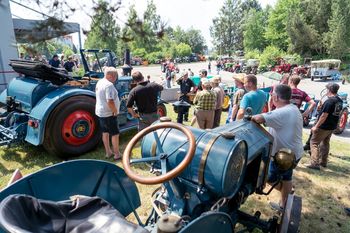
{"type": "Point", "coordinates": [107, 109]}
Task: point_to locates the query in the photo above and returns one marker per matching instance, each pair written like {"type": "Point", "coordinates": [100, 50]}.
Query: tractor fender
{"type": "Point", "coordinates": [42, 110]}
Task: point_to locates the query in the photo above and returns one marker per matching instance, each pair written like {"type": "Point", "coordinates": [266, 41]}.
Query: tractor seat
{"type": "Point", "coordinates": [23, 213]}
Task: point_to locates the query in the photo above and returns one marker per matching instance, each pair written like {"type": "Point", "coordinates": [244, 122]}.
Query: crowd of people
{"type": "Point", "coordinates": [283, 118]}
{"type": "Point", "coordinates": [70, 63]}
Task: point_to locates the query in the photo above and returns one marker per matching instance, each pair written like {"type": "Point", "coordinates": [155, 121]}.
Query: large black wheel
{"type": "Point", "coordinates": [161, 110]}
{"type": "Point", "coordinates": [72, 128]}
{"type": "Point", "coordinates": [343, 119]}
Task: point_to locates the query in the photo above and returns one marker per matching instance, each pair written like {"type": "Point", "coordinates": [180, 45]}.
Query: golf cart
{"type": "Point", "coordinates": [325, 68]}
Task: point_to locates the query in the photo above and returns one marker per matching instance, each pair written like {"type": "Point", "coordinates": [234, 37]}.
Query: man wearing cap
{"type": "Point", "coordinates": [205, 102]}
{"type": "Point", "coordinates": [323, 129]}
{"type": "Point", "coordinates": [219, 91]}
{"type": "Point", "coordinates": [254, 99]}
{"type": "Point", "coordinates": [186, 87]}
{"type": "Point", "coordinates": [237, 97]}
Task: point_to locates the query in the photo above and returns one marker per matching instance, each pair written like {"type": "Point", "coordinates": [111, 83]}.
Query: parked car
{"type": "Point", "coordinates": [324, 69]}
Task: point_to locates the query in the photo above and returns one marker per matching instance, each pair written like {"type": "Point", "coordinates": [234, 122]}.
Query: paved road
{"type": "Point", "coordinates": [311, 87]}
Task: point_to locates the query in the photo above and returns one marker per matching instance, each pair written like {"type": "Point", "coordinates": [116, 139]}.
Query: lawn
{"type": "Point", "coordinates": [324, 193]}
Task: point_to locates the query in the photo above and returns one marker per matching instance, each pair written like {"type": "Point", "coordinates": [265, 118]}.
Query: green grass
{"type": "Point", "coordinates": [324, 193]}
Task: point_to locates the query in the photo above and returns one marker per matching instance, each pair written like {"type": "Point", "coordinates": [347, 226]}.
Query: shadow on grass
{"type": "Point", "coordinates": [332, 172]}
{"type": "Point", "coordinates": [322, 208]}
{"type": "Point", "coordinates": [27, 156]}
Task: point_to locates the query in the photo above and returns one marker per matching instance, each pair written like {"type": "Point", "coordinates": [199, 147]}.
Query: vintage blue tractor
{"type": "Point", "coordinates": [46, 106]}
{"type": "Point", "coordinates": [205, 177]}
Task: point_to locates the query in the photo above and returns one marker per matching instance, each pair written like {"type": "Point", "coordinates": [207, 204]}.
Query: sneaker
{"type": "Point", "coordinates": [276, 206]}
{"type": "Point", "coordinates": [314, 167]}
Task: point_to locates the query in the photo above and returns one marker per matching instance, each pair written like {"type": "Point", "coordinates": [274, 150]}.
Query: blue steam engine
{"type": "Point", "coordinates": [205, 176]}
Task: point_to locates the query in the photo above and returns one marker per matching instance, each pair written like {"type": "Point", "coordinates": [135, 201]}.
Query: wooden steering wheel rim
{"type": "Point", "coordinates": [169, 175]}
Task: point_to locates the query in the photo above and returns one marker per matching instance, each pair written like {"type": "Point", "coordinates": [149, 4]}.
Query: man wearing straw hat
{"type": "Point", "coordinates": [237, 97]}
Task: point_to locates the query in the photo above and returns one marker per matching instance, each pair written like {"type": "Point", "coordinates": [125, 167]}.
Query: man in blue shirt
{"type": "Point", "coordinates": [255, 99]}
{"type": "Point", "coordinates": [54, 62]}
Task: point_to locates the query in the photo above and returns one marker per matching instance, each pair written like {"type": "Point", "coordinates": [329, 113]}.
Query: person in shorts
{"type": "Point", "coordinates": [285, 124]}
{"type": "Point", "coordinates": [107, 109]}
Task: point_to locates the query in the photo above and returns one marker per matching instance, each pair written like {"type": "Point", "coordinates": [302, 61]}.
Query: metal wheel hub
{"type": "Point", "coordinates": [78, 128]}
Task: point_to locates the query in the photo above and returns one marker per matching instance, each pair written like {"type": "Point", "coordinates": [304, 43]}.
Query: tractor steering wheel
{"type": "Point", "coordinates": [162, 157]}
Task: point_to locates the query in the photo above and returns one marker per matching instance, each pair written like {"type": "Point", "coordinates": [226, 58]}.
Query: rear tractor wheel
{"type": "Point", "coordinates": [342, 121]}
{"type": "Point", "coordinates": [72, 128]}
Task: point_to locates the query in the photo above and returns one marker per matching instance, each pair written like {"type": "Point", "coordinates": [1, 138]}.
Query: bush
{"type": "Point", "coordinates": [294, 59]}
{"type": "Point", "coordinates": [252, 54]}
{"type": "Point", "coordinates": [344, 66]}
{"type": "Point", "coordinates": [139, 53]}
{"type": "Point", "coordinates": [270, 55]}
{"type": "Point", "coordinates": [153, 57]}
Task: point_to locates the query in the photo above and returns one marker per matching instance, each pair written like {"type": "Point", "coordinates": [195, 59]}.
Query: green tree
{"type": "Point", "coordinates": [254, 31]}
{"type": "Point", "coordinates": [226, 28]}
{"type": "Point", "coordinates": [104, 31]}
{"type": "Point", "coordinates": [337, 40]}
{"type": "Point", "coordinates": [183, 50]}
{"type": "Point", "coordinates": [192, 37]}
{"type": "Point", "coordinates": [67, 51]}
{"type": "Point", "coordinates": [304, 39]}
{"type": "Point", "coordinates": [143, 32]}
{"type": "Point", "coordinates": [276, 32]}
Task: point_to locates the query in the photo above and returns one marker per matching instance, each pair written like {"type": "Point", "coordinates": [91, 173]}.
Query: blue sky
{"type": "Point", "coordinates": [185, 13]}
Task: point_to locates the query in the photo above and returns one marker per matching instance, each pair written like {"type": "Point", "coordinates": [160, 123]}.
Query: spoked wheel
{"type": "Point", "coordinates": [342, 121]}
{"type": "Point", "coordinates": [72, 128]}
{"type": "Point", "coordinates": [161, 158]}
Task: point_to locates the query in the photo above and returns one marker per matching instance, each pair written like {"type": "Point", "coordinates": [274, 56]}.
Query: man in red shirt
{"type": "Point", "coordinates": [299, 96]}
